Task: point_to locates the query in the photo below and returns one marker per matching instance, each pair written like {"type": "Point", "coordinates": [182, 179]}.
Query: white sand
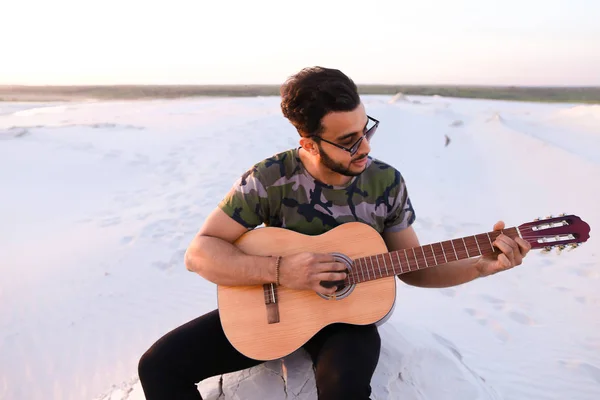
{"type": "Point", "coordinates": [100, 200]}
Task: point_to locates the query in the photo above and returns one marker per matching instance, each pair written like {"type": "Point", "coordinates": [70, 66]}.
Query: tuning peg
{"type": "Point", "coordinates": [537, 219]}
{"type": "Point", "coordinates": [573, 246]}
{"type": "Point", "coordinates": [548, 216]}
{"type": "Point", "coordinates": [547, 249]}
{"type": "Point", "coordinates": [560, 248]}
{"type": "Point", "coordinates": [562, 215]}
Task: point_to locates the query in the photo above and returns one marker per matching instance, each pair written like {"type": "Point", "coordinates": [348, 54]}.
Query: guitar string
{"type": "Point", "coordinates": [468, 249]}
{"type": "Point", "coordinates": [432, 256]}
{"type": "Point", "coordinates": [354, 275]}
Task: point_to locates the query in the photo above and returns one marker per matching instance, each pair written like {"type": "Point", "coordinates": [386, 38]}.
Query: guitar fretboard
{"type": "Point", "coordinates": [430, 255]}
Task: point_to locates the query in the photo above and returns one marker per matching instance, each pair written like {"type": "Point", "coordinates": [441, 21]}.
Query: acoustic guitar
{"type": "Point", "coordinates": [266, 322]}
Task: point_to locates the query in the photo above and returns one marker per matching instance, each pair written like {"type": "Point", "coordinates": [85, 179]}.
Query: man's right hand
{"type": "Point", "coordinates": [305, 271]}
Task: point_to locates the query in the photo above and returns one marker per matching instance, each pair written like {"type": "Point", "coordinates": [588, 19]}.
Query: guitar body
{"type": "Point", "coordinates": [302, 314]}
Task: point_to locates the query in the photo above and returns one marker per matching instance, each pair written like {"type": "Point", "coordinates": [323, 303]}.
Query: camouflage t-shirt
{"type": "Point", "coordinates": [280, 192]}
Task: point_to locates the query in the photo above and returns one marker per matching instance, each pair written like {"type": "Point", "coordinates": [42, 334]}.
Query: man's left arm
{"type": "Point", "coordinates": [455, 273]}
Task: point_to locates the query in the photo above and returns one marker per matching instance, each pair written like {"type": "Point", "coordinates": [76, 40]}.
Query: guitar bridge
{"type": "Point", "coordinates": [270, 290]}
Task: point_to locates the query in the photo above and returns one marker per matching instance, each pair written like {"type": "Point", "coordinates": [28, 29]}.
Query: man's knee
{"type": "Point", "coordinates": [157, 361]}
{"type": "Point", "coordinates": [148, 365]}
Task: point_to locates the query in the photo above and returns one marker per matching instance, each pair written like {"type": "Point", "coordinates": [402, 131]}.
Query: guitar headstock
{"type": "Point", "coordinates": [562, 231]}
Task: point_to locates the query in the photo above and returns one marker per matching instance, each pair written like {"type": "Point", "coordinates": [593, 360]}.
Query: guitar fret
{"type": "Point", "coordinates": [434, 257]}
{"type": "Point", "coordinates": [444, 253]}
{"type": "Point", "coordinates": [363, 266]}
{"type": "Point", "coordinates": [491, 244]}
{"type": "Point", "coordinates": [477, 243]}
{"type": "Point", "coordinates": [415, 254]}
{"type": "Point", "coordinates": [374, 270]}
{"type": "Point", "coordinates": [467, 250]}
{"type": "Point", "coordinates": [392, 262]}
{"type": "Point", "coordinates": [407, 262]}
{"type": "Point", "coordinates": [387, 273]}
{"type": "Point", "coordinates": [372, 266]}
{"type": "Point", "coordinates": [424, 256]}
{"type": "Point", "coordinates": [368, 274]}
{"type": "Point", "coordinates": [378, 266]}
{"type": "Point", "coordinates": [454, 248]}
{"type": "Point", "coordinates": [362, 271]}
{"type": "Point", "coordinates": [400, 262]}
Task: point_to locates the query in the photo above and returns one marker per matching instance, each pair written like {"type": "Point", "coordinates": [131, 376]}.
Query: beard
{"type": "Point", "coordinates": [339, 167]}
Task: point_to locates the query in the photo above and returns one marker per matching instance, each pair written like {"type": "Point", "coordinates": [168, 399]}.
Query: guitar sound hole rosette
{"type": "Point", "coordinates": [344, 291]}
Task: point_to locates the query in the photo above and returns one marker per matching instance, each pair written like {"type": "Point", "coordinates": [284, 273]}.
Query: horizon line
{"type": "Point", "coordinates": [482, 85]}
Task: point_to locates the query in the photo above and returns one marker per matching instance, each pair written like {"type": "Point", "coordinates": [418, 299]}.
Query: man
{"type": "Point", "coordinates": [329, 180]}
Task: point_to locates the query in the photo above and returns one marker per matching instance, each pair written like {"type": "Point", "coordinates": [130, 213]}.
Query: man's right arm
{"type": "Point", "coordinates": [213, 256]}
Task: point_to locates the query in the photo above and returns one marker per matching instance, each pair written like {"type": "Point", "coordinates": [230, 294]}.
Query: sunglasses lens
{"type": "Point", "coordinates": [354, 148]}
{"type": "Point", "coordinates": [371, 132]}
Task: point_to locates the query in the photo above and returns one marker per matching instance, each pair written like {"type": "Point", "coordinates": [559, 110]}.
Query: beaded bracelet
{"type": "Point", "coordinates": [277, 265]}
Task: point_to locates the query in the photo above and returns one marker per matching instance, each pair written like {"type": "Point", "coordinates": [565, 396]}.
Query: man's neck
{"type": "Point", "coordinates": [321, 173]}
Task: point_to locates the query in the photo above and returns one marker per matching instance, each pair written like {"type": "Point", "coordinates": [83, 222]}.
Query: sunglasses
{"type": "Point", "coordinates": [354, 148]}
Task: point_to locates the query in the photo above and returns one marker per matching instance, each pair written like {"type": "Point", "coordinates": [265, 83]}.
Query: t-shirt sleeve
{"type": "Point", "coordinates": [246, 202]}
{"type": "Point", "coordinates": [402, 214]}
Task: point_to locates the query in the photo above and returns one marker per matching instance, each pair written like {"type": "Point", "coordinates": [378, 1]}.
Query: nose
{"type": "Point", "coordinates": [365, 146]}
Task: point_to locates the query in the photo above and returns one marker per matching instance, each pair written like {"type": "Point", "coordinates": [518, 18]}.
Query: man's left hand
{"type": "Point", "coordinates": [512, 253]}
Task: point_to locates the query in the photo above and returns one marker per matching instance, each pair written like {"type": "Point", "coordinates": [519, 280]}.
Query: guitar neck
{"type": "Point", "coordinates": [407, 260]}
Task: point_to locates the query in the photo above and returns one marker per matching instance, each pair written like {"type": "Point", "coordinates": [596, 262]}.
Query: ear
{"type": "Point", "coordinates": [309, 146]}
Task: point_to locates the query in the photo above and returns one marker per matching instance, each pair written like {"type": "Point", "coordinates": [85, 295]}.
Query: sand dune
{"type": "Point", "coordinates": [101, 199]}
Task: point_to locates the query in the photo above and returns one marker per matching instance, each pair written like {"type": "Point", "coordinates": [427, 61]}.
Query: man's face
{"type": "Point", "coordinates": [344, 129]}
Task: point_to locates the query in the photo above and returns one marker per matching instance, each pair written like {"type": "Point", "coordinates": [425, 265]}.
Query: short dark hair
{"type": "Point", "coordinates": [309, 95]}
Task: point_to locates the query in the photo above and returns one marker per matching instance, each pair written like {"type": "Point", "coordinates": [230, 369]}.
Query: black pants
{"type": "Point", "coordinates": [344, 357]}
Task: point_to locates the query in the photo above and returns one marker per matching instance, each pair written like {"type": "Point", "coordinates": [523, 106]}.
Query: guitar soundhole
{"type": "Point", "coordinates": [342, 290]}
{"type": "Point", "coordinates": [338, 284]}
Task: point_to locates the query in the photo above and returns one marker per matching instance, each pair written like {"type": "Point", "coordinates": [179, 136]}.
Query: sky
{"type": "Point", "coordinates": [481, 42]}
